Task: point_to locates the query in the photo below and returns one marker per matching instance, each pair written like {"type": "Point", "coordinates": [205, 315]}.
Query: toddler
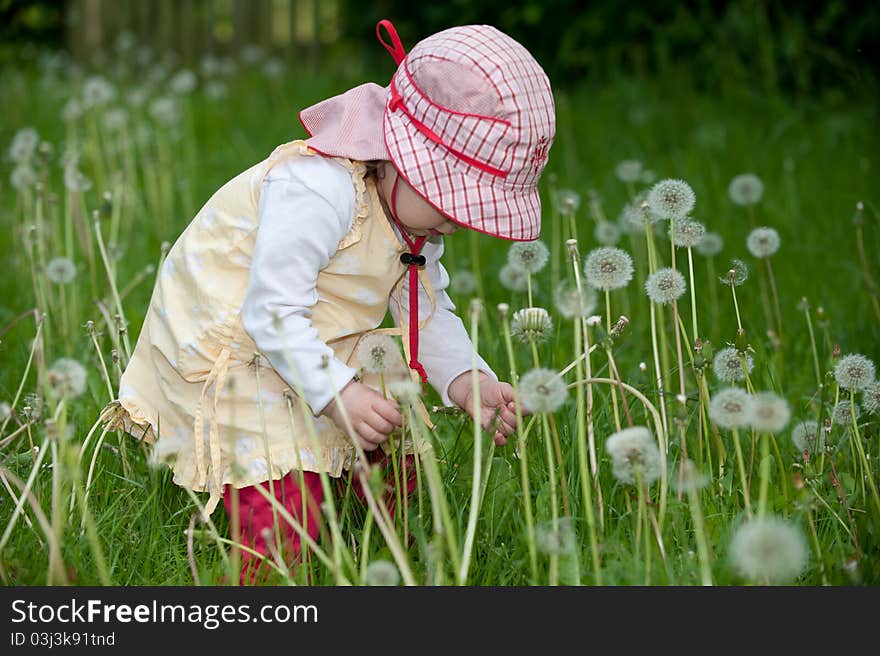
{"type": "Point", "coordinates": [263, 301]}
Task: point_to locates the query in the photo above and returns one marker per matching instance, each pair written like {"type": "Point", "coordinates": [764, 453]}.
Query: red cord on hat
{"type": "Point", "coordinates": [413, 260]}
{"type": "Point", "coordinates": [397, 50]}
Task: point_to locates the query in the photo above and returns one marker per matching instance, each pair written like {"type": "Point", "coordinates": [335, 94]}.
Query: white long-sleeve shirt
{"type": "Point", "coordinates": [307, 206]}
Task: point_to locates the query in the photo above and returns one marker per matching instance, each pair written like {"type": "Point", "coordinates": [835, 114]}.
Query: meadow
{"type": "Point", "coordinates": [705, 407]}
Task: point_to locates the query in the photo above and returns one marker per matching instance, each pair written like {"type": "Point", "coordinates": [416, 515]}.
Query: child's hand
{"type": "Point", "coordinates": [372, 416]}
{"type": "Point", "coordinates": [496, 398]}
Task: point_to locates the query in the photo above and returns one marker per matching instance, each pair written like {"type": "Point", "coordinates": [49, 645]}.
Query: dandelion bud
{"type": "Point", "coordinates": [571, 245]}
{"type": "Point", "coordinates": [617, 329]}
{"type": "Point", "coordinates": [835, 352]}
{"type": "Point", "coordinates": [476, 305]}
{"type": "Point", "coordinates": [531, 324]}
{"type": "Point", "coordinates": [594, 320]}
{"type": "Point", "coordinates": [643, 367]}
{"type": "Point", "coordinates": [503, 309]}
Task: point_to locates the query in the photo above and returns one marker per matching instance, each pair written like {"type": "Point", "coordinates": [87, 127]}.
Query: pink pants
{"type": "Point", "coordinates": [255, 512]}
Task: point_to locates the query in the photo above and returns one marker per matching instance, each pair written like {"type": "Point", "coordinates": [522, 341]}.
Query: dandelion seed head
{"type": "Point", "coordinates": [731, 407]}
{"type": "Point", "coordinates": [60, 270]}
{"type": "Point", "coordinates": [629, 170]}
{"type": "Point", "coordinates": [710, 245]}
{"type": "Point", "coordinates": [573, 303]}
{"type": "Point", "coordinates": [871, 398]}
{"type": "Point", "coordinates": [72, 110]}
{"type": "Point", "coordinates": [531, 324]}
{"type": "Point", "coordinates": [807, 437]}
{"type": "Point", "coordinates": [770, 412]}
{"type": "Point", "coordinates": [273, 67]}
{"type": "Point", "coordinates": [67, 377]}
{"type": "Point", "coordinates": [607, 233]}
{"type": "Point", "coordinates": [671, 199]}
{"type": "Point", "coordinates": [529, 256]}
{"type": "Point", "coordinates": [608, 268]}
{"type": "Point", "coordinates": [166, 451]}
{"type": "Point", "coordinates": [842, 414]}
{"type": "Point", "coordinates": [763, 242]}
{"type": "Point", "coordinates": [634, 452]}
{"type": "Point", "coordinates": [542, 390]}
{"type": "Point", "coordinates": [164, 109]}
{"type": "Point", "coordinates": [23, 145]}
{"type": "Point", "coordinates": [405, 390]}
{"type": "Point", "coordinates": [768, 550]}
{"type": "Point", "coordinates": [463, 282]}
{"type": "Point", "coordinates": [567, 201]}
{"type": "Point", "coordinates": [687, 233]}
{"type": "Point", "coordinates": [377, 353]}
{"type": "Point", "coordinates": [251, 53]}
{"type": "Point", "coordinates": [854, 372]}
{"type": "Point", "coordinates": [75, 181]}
{"type": "Point", "coordinates": [183, 82]}
{"type": "Point", "coordinates": [23, 177]}
{"type": "Point", "coordinates": [728, 365]}
{"type": "Point", "coordinates": [665, 285]}
{"type": "Point", "coordinates": [513, 278]}
{"type": "Point", "coordinates": [381, 573]}
{"type": "Point", "coordinates": [216, 89]}
{"type": "Point", "coordinates": [97, 91]}
{"type": "Point", "coordinates": [736, 275]}
{"type": "Point", "coordinates": [746, 189]}
{"type": "Point", "coordinates": [115, 119]}
{"type": "Point", "coordinates": [691, 477]}
{"type": "Point", "coordinates": [635, 216]}
{"type": "Point", "coordinates": [558, 541]}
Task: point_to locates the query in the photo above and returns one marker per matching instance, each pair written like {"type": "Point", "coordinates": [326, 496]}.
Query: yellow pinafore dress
{"type": "Point", "coordinates": [195, 377]}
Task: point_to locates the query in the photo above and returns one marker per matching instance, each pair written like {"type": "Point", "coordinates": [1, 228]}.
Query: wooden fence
{"type": "Point", "coordinates": [190, 28]}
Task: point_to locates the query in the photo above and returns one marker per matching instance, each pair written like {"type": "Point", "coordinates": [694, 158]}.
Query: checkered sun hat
{"type": "Point", "coordinates": [467, 121]}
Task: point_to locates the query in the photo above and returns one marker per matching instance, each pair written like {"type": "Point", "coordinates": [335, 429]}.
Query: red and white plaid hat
{"type": "Point", "coordinates": [467, 121]}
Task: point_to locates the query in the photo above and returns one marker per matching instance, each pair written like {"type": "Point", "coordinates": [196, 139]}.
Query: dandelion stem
{"type": "Point", "coordinates": [742, 472]}
{"type": "Point", "coordinates": [478, 454]}
{"type": "Point", "coordinates": [857, 438]}
{"type": "Point", "coordinates": [693, 294]}
{"type": "Point", "coordinates": [523, 453]}
{"type": "Point", "coordinates": [813, 347]}
{"type": "Point", "coordinates": [586, 482]}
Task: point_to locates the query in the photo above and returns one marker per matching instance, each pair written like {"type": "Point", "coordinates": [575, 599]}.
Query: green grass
{"type": "Point", "coordinates": [817, 159]}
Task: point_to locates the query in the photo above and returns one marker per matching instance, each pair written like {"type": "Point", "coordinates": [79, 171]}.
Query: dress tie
{"type": "Point", "coordinates": [413, 260]}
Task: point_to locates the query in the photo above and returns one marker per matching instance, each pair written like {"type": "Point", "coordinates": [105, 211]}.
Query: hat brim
{"type": "Point", "coordinates": [464, 199]}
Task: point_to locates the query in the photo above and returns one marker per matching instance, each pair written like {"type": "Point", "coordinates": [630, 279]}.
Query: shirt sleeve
{"type": "Point", "coordinates": [306, 207]}
{"type": "Point", "coordinates": [445, 348]}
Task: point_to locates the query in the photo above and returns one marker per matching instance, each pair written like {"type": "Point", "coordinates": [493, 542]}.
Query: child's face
{"type": "Point", "coordinates": [413, 211]}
